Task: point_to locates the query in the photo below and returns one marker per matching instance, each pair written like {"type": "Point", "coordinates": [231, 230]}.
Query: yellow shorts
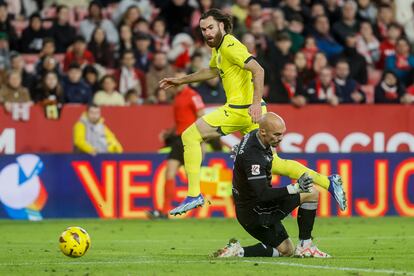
{"type": "Point", "coordinates": [229, 119]}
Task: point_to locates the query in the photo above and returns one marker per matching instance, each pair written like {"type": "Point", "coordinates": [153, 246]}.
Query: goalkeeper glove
{"type": "Point", "coordinates": [304, 185]}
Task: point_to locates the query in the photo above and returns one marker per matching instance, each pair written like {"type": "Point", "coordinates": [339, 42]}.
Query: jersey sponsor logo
{"type": "Point", "coordinates": [255, 169]}
{"type": "Point", "coordinates": [230, 45]}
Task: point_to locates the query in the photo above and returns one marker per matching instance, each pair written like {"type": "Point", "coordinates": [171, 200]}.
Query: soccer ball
{"type": "Point", "coordinates": [74, 242]}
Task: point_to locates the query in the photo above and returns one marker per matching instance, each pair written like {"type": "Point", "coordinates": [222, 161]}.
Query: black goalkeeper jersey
{"type": "Point", "coordinates": [252, 174]}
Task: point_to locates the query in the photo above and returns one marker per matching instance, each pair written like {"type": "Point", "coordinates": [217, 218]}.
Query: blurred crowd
{"type": "Point", "coordinates": [115, 52]}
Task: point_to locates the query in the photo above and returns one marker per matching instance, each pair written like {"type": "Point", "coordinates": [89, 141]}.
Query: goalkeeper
{"type": "Point", "coordinates": [260, 208]}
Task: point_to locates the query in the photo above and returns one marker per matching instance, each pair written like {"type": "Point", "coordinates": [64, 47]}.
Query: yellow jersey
{"type": "Point", "coordinates": [229, 58]}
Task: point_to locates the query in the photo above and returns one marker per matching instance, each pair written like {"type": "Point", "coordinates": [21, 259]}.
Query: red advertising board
{"type": "Point", "coordinates": [316, 128]}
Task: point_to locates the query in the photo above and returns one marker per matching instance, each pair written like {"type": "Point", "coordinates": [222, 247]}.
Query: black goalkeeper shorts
{"type": "Point", "coordinates": [177, 149]}
{"type": "Point", "coordinates": [265, 223]}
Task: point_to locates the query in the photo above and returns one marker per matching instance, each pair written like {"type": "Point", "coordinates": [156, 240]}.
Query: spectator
{"type": "Point", "coordinates": [78, 54]}
{"type": "Point", "coordinates": [254, 13]}
{"type": "Point", "coordinates": [317, 9]}
{"type": "Point", "coordinates": [359, 70]}
{"type": "Point", "coordinates": [351, 92]}
{"type": "Point", "coordinates": [160, 36]}
{"type": "Point", "coordinates": [212, 91]}
{"type": "Point", "coordinates": [130, 16]}
{"type": "Point", "coordinates": [182, 47]}
{"type": "Point", "coordinates": [47, 64]}
{"type": "Point", "coordinates": [196, 64]}
{"type": "Point", "coordinates": [384, 18]}
{"type": "Point", "coordinates": [323, 89]}
{"type": "Point", "coordinates": [76, 90]}
{"type": "Point", "coordinates": [325, 42]}
{"type": "Point", "coordinates": [92, 136]}
{"type": "Point", "coordinates": [4, 52]}
{"type": "Point", "coordinates": [142, 53]}
{"type": "Point", "coordinates": [367, 44]}
{"type": "Point", "coordinates": [13, 91]}
{"type": "Point", "coordinates": [159, 69]}
{"type": "Point", "coordinates": [203, 6]}
{"type": "Point", "coordinates": [295, 30]}
{"type": "Point", "coordinates": [390, 90]}
{"type": "Point", "coordinates": [144, 6]}
{"type": "Point", "coordinates": [162, 96]}
{"type": "Point", "coordinates": [141, 26]}
{"type": "Point", "coordinates": [293, 8]}
{"type": "Point", "coordinates": [279, 55]}
{"type": "Point", "coordinates": [48, 47]}
{"type": "Point", "coordinates": [288, 89]}
{"type": "Point", "coordinates": [108, 95]}
{"type": "Point", "coordinates": [348, 25]}
{"type": "Point", "coordinates": [387, 46]}
{"type": "Point", "coordinates": [132, 98]}
{"type": "Point", "coordinates": [49, 90]}
{"type": "Point", "coordinates": [32, 37]}
{"type": "Point", "coordinates": [126, 39]}
{"type": "Point", "coordinates": [402, 62]}
{"type": "Point", "coordinates": [7, 28]}
{"type": "Point", "coordinates": [367, 11]}
{"type": "Point", "coordinates": [129, 77]}
{"type": "Point", "coordinates": [277, 23]}
{"type": "Point", "coordinates": [17, 64]}
{"type": "Point", "coordinates": [333, 11]}
{"type": "Point", "coordinates": [319, 62]}
{"type": "Point", "coordinates": [409, 26]}
{"type": "Point", "coordinates": [102, 51]}
{"type": "Point", "coordinates": [240, 9]}
{"type": "Point", "coordinates": [262, 41]}
{"type": "Point", "coordinates": [305, 74]}
{"type": "Point", "coordinates": [249, 40]}
{"type": "Point", "coordinates": [61, 31]}
{"type": "Point", "coordinates": [96, 19]}
{"type": "Point", "coordinates": [91, 77]}
{"type": "Point", "coordinates": [309, 50]}
{"type": "Point", "coordinates": [177, 14]}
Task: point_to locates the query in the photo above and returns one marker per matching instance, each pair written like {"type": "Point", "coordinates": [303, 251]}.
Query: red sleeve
{"type": "Point", "coordinates": [67, 61]}
{"type": "Point", "coordinates": [197, 102]}
{"type": "Point", "coordinates": [89, 57]}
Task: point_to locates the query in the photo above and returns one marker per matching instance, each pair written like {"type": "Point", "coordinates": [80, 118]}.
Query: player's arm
{"type": "Point", "coordinates": [201, 75]}
{"type": "Point", "coordinates": [255, 110]}
{"type": "Point", "coordinates": [257, 180]}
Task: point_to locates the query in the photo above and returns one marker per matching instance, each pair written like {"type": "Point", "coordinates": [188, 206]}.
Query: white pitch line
{"type": "Point", "coordinates": [277, 263]}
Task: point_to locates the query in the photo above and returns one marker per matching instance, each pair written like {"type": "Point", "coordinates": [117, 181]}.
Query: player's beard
{"type": "Point", "coordinates": [215, 42]}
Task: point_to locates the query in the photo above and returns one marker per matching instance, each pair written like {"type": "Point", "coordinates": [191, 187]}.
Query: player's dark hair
{"type": "Point", "coordinates": [220, 16]}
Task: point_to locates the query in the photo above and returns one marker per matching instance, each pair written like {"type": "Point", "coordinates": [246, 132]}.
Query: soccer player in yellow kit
{"type": "Point", "coordinates": [243, 80]}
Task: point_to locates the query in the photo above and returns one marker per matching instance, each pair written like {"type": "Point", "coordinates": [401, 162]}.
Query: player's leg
{"type": "Point", "coordinates": [306, 220]}
{"type": "Point", "coordinates": [192, 138]}
{"type": "Point", "coordinates": [294, 170]}
{"type": "Point", "coordinates": [266, 228]}
{"type": "Point", "coordinates": [266, 236]}
{"type": "Point", "coordinates": [220, 122]}
{"type": "Point", "coordinates": [173, 166]}
{"type": "Point", "coordinates": [174, 160]}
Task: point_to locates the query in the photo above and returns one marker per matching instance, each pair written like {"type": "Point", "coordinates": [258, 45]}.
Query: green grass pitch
{"type": "Point", "coordinates": [360, 246]}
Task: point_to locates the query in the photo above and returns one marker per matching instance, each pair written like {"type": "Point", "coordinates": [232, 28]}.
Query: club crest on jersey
{"type": "Point", "coordinates": [255, 169]}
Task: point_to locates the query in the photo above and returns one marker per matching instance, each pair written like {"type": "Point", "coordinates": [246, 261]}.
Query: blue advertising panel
{"type": "Point", "coordinates": [128, 185]}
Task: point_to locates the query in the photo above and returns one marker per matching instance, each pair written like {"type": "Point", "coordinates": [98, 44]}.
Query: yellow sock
{"type": "Point", "coordinates": [192, 158]}
{"type": "Point", "coordinates": [294, 170]}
